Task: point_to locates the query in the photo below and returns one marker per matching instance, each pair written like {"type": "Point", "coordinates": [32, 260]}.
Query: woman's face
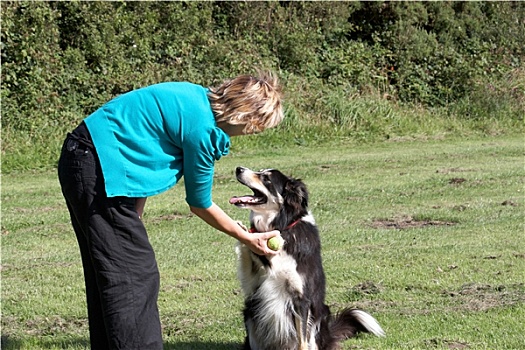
{"type": "Point", "coordinates": [234, 130]}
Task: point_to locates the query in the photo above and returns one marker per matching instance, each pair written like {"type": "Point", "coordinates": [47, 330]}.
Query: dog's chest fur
{"type": "Point", "coordinates": [279, 273]}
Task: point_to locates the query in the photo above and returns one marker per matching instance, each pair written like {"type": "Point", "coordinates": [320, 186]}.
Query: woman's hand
{"type": "Point", "coordinates": [140, 203]}
{"type": "Point", "coordinates": [215, 217]}
{"type": "Point", "coordinates": [258, 242]}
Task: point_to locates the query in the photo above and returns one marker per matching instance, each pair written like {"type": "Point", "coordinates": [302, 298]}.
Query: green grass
{"type": "Point", "coordinates": [454, 281]}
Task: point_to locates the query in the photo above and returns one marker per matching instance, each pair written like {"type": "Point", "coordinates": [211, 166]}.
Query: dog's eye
{"type": "Point", "coordinates": [266, 178]}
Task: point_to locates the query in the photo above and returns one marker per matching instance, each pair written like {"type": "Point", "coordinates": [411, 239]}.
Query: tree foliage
{"type": "Point", "coordinates": [62, 60]}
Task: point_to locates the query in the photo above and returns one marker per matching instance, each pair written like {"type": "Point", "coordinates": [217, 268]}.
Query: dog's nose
{"type": "Point", "coordinates": [239, 170]}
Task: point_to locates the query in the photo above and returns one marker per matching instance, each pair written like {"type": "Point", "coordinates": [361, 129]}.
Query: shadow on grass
{"type": "Point", "coordinates": [197, 345]}
{"type": "Point", "coordinates": [10, 343]}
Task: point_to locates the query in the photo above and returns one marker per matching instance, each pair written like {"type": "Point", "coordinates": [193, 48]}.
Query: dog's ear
{"type": "Point", "coordinates": [295, 203]}
{"type": "Point", "coordinates": [296, 194]}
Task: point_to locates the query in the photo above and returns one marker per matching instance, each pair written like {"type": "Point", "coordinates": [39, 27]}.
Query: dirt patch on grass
{"type": "Point", "coordinates": [482, 297]}
{"type": "Point", "coordinates": [472, 297]}
{"type": "Point", "coordinates": [406, 222]}
{"type": "Point", "coordinates": [457, 180]}
{"type": "Point", "coordinates": [169, 217]}
{"type": "Point", "coordinates": [361, 294]}
{"type": "Point", "coordinates": [51, 325]}
{"type": "Point", "coordinates": [367, 287]}
{"type": "Point", "coordinates": [453, 170]}
{"type": "Point", "coordinates": [449, 344]}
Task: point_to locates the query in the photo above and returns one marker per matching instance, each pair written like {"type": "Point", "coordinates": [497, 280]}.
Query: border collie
{"type": "Point", "coordinates": [285, 293]}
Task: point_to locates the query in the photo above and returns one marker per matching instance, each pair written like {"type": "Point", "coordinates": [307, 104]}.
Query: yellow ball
{"type": "Point", "coordinates": [275, 243]}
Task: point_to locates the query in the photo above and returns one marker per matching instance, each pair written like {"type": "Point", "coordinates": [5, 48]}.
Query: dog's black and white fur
{"type": "Point", "coordinates": [285, 294]}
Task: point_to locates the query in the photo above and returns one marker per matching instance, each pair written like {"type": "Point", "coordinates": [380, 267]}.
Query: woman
{"type": "Point", "coordinates": [139, 145]}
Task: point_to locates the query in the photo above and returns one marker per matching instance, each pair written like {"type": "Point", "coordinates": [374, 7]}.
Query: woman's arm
{"type": "Point", "coordinates": [217, 218]}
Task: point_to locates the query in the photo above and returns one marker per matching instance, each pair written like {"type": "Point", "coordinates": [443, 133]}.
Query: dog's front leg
{"type": "Point", "coordinates": [302, 315]}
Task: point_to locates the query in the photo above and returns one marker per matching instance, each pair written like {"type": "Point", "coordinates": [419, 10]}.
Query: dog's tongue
{"type": "Point", "coordinates": [244, 199]}
{"type": "Point", "coordinates": [234, 200]}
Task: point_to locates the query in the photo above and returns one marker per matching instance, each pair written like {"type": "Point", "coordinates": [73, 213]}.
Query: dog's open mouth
{"type": "Point", "coordinates": [257, 198]}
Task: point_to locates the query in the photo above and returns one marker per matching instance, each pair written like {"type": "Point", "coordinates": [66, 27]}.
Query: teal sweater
{"type": "Point", "coordinates": [147, 139]}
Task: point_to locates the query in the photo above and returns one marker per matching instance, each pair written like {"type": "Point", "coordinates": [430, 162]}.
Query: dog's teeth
{"type": "Point", "coordinates": [244, 199]}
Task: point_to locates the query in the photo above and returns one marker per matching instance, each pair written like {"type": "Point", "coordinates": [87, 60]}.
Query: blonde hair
{"type": "Point", "coordinates": [247, 100]}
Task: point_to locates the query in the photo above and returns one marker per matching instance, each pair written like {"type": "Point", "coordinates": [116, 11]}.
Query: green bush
{"type": "Point", "coordinates": [62, 60]}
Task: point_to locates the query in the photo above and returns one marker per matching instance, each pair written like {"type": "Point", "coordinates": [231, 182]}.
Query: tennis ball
{"type": "Point", "coordinates": [275, 243]}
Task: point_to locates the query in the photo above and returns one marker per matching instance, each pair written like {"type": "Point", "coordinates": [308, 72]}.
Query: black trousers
{"type": "Point", "coordinates": [120, 269]}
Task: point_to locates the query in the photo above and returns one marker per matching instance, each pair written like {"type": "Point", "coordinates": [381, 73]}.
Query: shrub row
{"type": "Point", "coordinates": [61, 60]}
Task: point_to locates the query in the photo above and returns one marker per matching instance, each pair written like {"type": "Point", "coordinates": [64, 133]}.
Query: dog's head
{"type": "Point", "coordinates": [275, 195]}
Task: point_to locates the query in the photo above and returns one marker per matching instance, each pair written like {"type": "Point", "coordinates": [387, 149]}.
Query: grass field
{"type": "Point", "coordinates": [427, 236]}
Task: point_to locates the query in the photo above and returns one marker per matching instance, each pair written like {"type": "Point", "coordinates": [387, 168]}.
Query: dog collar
{"type": "Point", "coordinates": [254, 230]}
